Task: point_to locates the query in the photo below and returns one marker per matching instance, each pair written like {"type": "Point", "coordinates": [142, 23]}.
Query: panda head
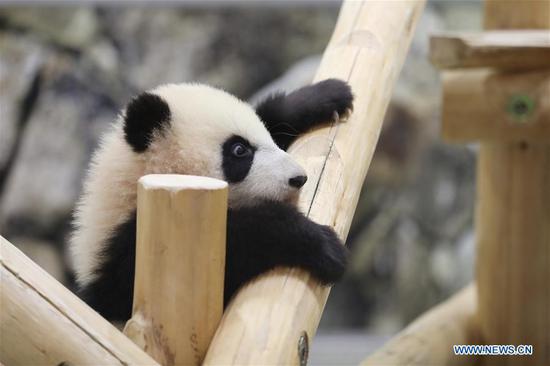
{"type": "Point", "coordinates": [199, 130]}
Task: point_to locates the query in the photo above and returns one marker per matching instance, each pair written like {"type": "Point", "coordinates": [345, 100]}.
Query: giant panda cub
{"type": "Point", "coordinates": [199, 130]}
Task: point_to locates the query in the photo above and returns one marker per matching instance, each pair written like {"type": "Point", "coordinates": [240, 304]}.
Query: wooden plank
{"type": "Point", "coordinates": [429, 340]}
{"type": "Point", "coordinates": [271, 319]}
{"type": "Point", "coordinates": [490, 105]}
{"type": "Point", "coordinates": [520, 49]}
{"type": "Point", "coordinates": [43, 323]}
{"type": "Point", "coordinates": [180, 266]}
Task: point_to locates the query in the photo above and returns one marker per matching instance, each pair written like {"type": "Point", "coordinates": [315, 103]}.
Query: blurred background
{"type": "Point", "coordinates": [67, 68]}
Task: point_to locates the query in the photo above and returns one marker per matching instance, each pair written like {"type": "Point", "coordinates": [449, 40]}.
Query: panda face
{"type": "Point", "coordinates": [259, 172]}
{"type": "Point", "coordinates": [195, 129]}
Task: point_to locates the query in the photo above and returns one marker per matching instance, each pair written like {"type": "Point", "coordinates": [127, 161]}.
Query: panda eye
{"type": "Point", "coordinates": [238, 150]}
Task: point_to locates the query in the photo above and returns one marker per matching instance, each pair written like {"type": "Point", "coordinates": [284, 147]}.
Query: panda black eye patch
{"type": "Point", "coordinates": [237, 158]}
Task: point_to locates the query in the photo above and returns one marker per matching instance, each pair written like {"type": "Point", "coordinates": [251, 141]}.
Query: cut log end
{"type": "Point", "coordinates": [177, 182]}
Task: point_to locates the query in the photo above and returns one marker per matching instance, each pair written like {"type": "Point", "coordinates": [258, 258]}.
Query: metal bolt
{"type": "Point", "coordinates": [520, 107]}
{"type": "Point", "coordinates": [303, 348]}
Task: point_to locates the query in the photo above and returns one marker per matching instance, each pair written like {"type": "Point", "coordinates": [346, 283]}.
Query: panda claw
{"type": "Point", "coordinates": [348, 113]}
{"type": "Point", "coordinates": [343, 117]}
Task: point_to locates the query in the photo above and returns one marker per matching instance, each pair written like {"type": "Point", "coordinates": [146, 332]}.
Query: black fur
{"type": "Point", "coordinates": [259, 238]}
{"type": "Point", "coordinates": [145, 114]}
{"type": "Point", "coordinates": [274, 234]}
{"type": "Point", "coordinates": [112, 292]}
{"type": "Point", "coordinates": [235, 169]}
{"type": "Point", "coordinates": [286, 116]}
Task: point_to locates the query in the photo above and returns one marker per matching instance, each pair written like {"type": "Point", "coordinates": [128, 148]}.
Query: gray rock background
{"type": "Point", "coordinates": [65, 72]}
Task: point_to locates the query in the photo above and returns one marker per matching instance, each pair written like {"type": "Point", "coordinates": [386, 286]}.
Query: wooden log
{"type": "Point", "coordinates": [513, 223]}
{"type": "Point", "coordinates": [180, 265]}
{"type": "Point", "coordinates": [271, 319]}
{"type": "Point", "coordinates": [519, 49]}
{"type": "Point", "coordinates": [490, 105]}
{"type": "Point", "coordinates": [429, 340]}
{"type": "Point", "coordinates": [43, 323]}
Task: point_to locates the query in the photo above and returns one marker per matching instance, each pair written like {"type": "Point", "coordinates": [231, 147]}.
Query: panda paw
{"type": "Point", "coordinates": [332, 260]}
{"type": "Point", "coordinates": [334, 100]}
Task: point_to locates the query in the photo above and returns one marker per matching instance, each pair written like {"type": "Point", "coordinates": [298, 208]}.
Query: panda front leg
{"type": "Point", "coordinates": [273, 234]}
{"type": "Point", "coordinates": [286, 116]}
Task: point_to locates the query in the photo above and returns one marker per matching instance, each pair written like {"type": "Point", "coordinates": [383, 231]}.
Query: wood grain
{"type": "Point", "coordinates": [43, 323]}
{"type": "Point", "coordinates": [517, 14]}
{"type": "Point", "coordinates": [513, 233]}
{"type": "Point", "coordinates": [180, 264]}
{"type": "Point", "coordinates": [267, 319]}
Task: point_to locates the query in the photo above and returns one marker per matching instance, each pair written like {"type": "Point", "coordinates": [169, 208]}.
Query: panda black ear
{"type": "Point", "coordinates": [144, 115]}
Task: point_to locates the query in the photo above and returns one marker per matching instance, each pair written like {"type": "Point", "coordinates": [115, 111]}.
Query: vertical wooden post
{"type": "Point", "coordinates": [513, 221]}
{"type": "Point", "coordinates": [180, 260]}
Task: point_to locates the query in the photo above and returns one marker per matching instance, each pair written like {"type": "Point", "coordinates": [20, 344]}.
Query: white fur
{"type": "Point", "coordinates": [202, 118]}
{"type": "Point", "coordinates": [268, 178]}
{"type": "Point", "coordinates": [109, 197]}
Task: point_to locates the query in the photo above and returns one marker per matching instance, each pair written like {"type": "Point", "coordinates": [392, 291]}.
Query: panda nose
{"type": "Point", "coordinates": [298, 181]}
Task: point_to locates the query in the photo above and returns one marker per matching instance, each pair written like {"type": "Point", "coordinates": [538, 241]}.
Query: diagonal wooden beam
{"type": "Point", "coordinates": [43, 323]}
{"type": "Point", "coordinates": [429, 339]}
{"type": "Point", "coordinates": [272, 318]}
